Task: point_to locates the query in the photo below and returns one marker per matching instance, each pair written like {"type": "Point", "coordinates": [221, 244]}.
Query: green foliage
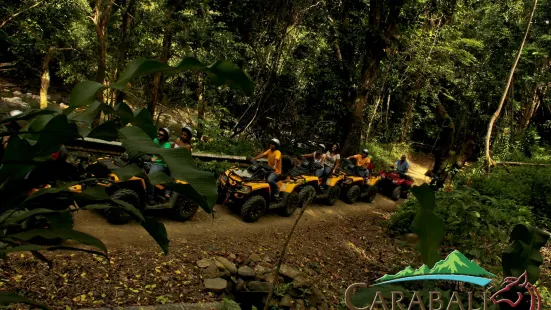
{"type": "Point", "coordinates": [525, 186]}
{"type": "Point", "coordinates": [26, 166]}
{"type": "Point", "coordinates": [215, 167]}
{"type": "Point", "coordinates": [427, 225]}
{"type": "Point", "coordinates": [385, 155]}
{"type": "Point", "coordinates": [523, 255]}
{"type": "Point", "coordinates": [470, 219]}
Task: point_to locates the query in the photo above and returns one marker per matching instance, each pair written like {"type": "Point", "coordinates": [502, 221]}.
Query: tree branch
{"type": "Point", "coordinates": [20, 12]}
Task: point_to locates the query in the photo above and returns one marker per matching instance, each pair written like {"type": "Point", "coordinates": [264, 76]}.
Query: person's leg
{"type": "Point", "coordinates": [154, 168]}
{"type": "Point", "coordinates": [272, 180]}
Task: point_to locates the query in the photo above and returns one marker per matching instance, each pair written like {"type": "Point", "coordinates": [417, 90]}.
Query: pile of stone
{"type": "Point", "coordinates": [17, 100]}
{"type": "Point", "coordinates": [234, 274]}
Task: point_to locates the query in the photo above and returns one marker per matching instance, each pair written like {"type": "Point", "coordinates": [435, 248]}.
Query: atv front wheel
{"type": "Point", "coordinates": [371, 194]}
{"type": "Point", "coordinates": [306, 195]}
{"type": "Point", "coordinates": [404, 195]}
{"type": "Point", "coordinates": [292, 203]}
{"type": "Point", "coordinates": [334, 194]}
{"type": "Point", "coordinates": [184, 209]}
{"type": "Point", "coordinates": [253, 209]}
{"type": "Point", "coordinates": [396, 193]}
{"type": "Point", "coordinates": [117, 215]}
{"type": "Point", "coordinates": [353, 194]}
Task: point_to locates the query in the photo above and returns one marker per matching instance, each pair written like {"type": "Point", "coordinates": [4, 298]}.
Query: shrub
{"type": "Point", "coordinates": [384, 155]}
{"type": "Point", "coordinates": [525, 185]}
{"type": "Point", "coordinates": [472, 220]}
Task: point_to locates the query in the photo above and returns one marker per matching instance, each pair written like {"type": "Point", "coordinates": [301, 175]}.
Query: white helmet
{"type": "Point", "coordinates": [322, 146]}
{"type": "Point", "coordinates": [167, 131]}
{"type": "Point", "coordinates": [15, 113]}
{"type": "Point", "coordinates": [276, 141]}
{"type": "Point", "coordinates": [365, 151]}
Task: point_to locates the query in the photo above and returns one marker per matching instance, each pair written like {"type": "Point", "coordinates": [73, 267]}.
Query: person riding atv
{"type": "Point", "coordinates": [316, 184]}
{"type": "Point", "coordinates": [274, 161]}
{"type": "Point", "coordinates": [185, 139]}
{"type": "Point", "coordinates": [135, 187]}
{"type": "Point", "coordinates": [363, 163]}
{"type": "Point", "coordinates": [396, 183]}
{"type": "Point", "coordinates": [357, 185]}
{"type": "Point", "coordinates": [248, 192]}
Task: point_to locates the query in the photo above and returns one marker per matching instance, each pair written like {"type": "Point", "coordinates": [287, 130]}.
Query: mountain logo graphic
{"type": "Point", "coordinates": [455, 267]}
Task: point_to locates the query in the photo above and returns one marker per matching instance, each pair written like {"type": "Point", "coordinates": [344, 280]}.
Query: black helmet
{"type": "Point", "coordinates": [365, 151]}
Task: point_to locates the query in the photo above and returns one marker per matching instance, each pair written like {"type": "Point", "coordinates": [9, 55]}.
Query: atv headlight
{"type": "Point", "coordinates": [348, 181]}
{"type": "Point", "coordinates": [243, 190]}
{"type": "Point", "coordinates": [394, 181]}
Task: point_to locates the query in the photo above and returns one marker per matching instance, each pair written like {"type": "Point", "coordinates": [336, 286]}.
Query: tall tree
{"type": "Point", "coordinates": [489, 159]}
{"type": "Point", "coordinates": [165, 53]}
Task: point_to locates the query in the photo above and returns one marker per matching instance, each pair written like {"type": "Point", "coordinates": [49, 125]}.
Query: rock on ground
{"type": "Point", "coordinates": [211, 271]}
{"type": "Point", "coordinates": [227, 264]}
{"type": "Point", "coordinates": [258, 286]}
{"type": "Point", "coordinates": [289, 272]}
{"type": "Point", "coordinates": [246, 272]}
{"type": "Point", "coordinates": [216, 285]}
{"type": "Point", "coordinates": [203, 263]}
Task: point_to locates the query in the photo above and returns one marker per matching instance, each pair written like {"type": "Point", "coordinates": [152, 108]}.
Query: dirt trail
{"type": "Point", "coordinates": [334, 245]}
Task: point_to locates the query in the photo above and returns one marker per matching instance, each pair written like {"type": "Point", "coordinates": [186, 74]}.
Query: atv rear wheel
{"type": "Point", "coordinates": [306, 195]}
{"type": "Point", "coordinates": [117, 215]}
{"type": "Point", "coordinates": [353, 194]}
{"type": "Point", "coordinates": [183, 209]}
{"type": "Point", "coordinates": [334, 193]}
{"type": "Point", "coordinates": [371, 193]}
{"type": "Point", "coordinates": [292, 203]}
{"type": "Point", "coordinates": [396, 193]}
{"type": "Point", "coordinates": [253, 209]}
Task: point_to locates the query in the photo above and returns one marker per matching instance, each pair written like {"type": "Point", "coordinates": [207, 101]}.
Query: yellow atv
{"type": "Point", "coordinates": [134, 190]}
{"type": "Point", "coordinates": [329, 192]}
{"type": "Point", "coordinates": [247, 192]}
{"type": "Point", "coordinates": [356, 186]}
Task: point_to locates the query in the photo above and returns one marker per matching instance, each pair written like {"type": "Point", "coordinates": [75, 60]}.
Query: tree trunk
{"type": "Point", "coordinates": [529, 110]}
{"type": "Point", "coordinates": [45, 78]}
{"type": "Point", "coordinates": [165, 56]}
{"type": "Point", "coordinates": [201, 104]}
{"type": "Point", "coordinates": [372, 117]}
{"type": "Point", "coordinates": [511, 74]}
{"type": "Point", "coordinates": [126, 29]}
{"type": "Point", "coordinates": [408, 118]}
{"type": "Point", "coordinates": [383, 24]}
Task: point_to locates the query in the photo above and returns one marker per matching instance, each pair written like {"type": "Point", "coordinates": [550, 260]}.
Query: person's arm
{"type": "Point", "coordinates": [337, 163]}
{"type": "Point", "coordinates": [188, 147]}
{"type": "Point", "coordinates": [261, 155]}
{"type": "Point", "coordinates": [351, 157]}
{"type": "Point", "coordinates": [323, 160]}
{"type": "Point", "coordinates": [308, 155]}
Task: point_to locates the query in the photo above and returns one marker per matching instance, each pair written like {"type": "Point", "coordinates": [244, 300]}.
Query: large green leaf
{"type": "Point", "coordinates": [157, 230]}
{"type": "Point", "coordinates": [84, 93]}
{"type": "Point", "coordinates": [180, 163]}
{"type": "Point", "coordinates": [9, 298]}
{"type": "Point", "coordinates": [427, 225]}
{"type": "Point", "coordinates": [144, 120]}
{"type": "Point", "coordinates": [65, 234]}
{"type": "Point", "coordinates": [91, 113]}
{"type": "Point", "coordinates": [125, 113]}
{"type": "Point", "coordinates": [524, 252]}
{"type": "Point", "coordinates": [106, 131]}
{"type": "Point", "coordinates": [221, 72]}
